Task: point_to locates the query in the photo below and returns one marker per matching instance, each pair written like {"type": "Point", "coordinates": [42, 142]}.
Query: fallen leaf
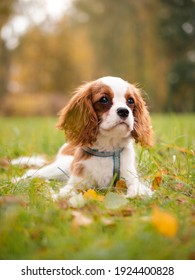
{"type": "Point", "coordinates": [80, 219]}
{"type": "Point", "coordinates": [77, 201]}
{"type": "Point", "coordinates": [123, 212]}
{"type": "Point", "coordinates": [11, 200]}
{"type": "Point", "coordinates": [181, 200]}
{"type": "Point", "coordinates": [156, 181]}
{"type": "Point", "coordinates": [120, 186]}
{"type": "Point", "coordinates": [107, 221]}
{"type": "Point", "coordinates": [164, 222]}
{"type": "Point", "coordinates": [179, 186]}
{"type": "Point", "coordinates": [63, 203]}
{"type": "Point", "coordinates": [114, 201]}
{"type": "Point", "coordinates": [4, 162]}
{"type": "Point", "coordinates": [127, 212]}
{"type": "Point", "coordinates": [92, 195]}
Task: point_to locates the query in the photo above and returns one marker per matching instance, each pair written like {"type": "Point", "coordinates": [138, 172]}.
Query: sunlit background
{"type": "Point", "coordinates": [49, 47]}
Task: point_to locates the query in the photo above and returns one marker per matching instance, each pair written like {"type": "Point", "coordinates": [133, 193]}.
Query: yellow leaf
{"type": "Point", "coordinates": [92, 195]}
{"type": "Point", "coordinates": [165, 223]}
{"type": "Point", "coordinates": [100, 198]}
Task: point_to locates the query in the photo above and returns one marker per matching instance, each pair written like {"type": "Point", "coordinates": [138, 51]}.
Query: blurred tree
{"type": "Point", "coordinates": [146, 42]}
{"type": "Point", "coordinates": [44, 61]}
{"type": "Point", "coordinates": [51, 61]}
{"type": "Point", "coordinates": [6, 10]}
{"type": "Point", "coordinates": [125, 40]}
{"type": "Point", "coordinates": [182, 86]}
{"type": "Point", "coordinates": [177, 28]}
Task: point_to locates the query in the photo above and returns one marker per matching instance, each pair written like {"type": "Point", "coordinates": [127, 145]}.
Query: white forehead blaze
{"type": "Point", "coordinates": [117, 85]}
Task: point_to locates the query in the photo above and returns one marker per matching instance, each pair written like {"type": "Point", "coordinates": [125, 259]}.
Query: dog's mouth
{"type": "Point", "coordinates": [121, 124]}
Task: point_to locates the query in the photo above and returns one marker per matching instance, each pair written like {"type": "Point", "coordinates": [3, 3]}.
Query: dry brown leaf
{"type": "Point", "coordinates": [79, 219]}
{"type": "Point", "coordinates": [127, 212]}
{"type": "Point", "coordinates": [157, 181]}
{"type": "Point", "coordinates": [181, 200]}
{"type": "Point", "coordinates": [179, 186]}
{"type": "Point", "coordinates": [107, 221]}
{"type": "Point", "coordinates": [63, 204]}
{"type": "Point", "coordinates": [11, 199]}
{"type": "Point", "coordinates": [120, 186]}
{"type": "Point", "coordinates": [4, 162]}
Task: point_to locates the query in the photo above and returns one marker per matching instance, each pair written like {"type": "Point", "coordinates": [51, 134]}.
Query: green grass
{"type": "Point", "coordinates": [32, 226]}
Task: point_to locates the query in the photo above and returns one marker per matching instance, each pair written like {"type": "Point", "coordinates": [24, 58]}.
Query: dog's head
{"type": "Point", "coordinates": [107, 106]}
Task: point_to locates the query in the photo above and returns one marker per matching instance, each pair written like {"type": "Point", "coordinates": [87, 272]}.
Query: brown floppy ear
{"type": "Point", "coordinates": [79, 119]}
{"type": "Point", "coordinates": [142, 131]}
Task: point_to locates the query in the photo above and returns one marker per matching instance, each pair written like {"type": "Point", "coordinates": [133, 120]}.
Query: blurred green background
{"type": "Point", "coordinates": [47, 48]}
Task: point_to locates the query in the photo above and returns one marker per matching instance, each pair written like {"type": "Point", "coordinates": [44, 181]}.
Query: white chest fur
{"type": "Point", "coordinates": [99, 171]}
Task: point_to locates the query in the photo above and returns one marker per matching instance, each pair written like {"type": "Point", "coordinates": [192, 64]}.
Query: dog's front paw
{"type": "Point", "coordinates": [65, 192]}
{"type": "Point", "coordinates": [139, 190]}
{"type": "Point", "coordinates": [28, 175]}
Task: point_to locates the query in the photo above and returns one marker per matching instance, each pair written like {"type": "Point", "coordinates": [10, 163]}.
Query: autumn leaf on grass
{"type": "Point", "coordinates": [179, 186]}
{"type": "Point", "coordinates": [79, 219]}
{"type": "Point", "coordinates": [114, 201]}
{"type": "Point", "coordinates": [120, 186]}
{"type": "Point", "coordinates": [77, 201]}
{"type": "Point", "coordinates": [12, 200]}
{"type": "Point", "coordinates": [108, 221]}
{"type": "Point", "coordinates": [92, 195]}
{"type": "Point", "coordinates": [164, 222]}
{"type": "Point", "coordinates": [156, 181]}
{"type": "Point", "coordinates": [63, 203]}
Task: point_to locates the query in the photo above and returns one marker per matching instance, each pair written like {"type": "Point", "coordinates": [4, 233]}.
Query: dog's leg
{"type": "Point", "coordinates": [138, 189]}
{"type": "Point", "coordinates": [135, 187]}
{"type": "Point", "coordinates": [59, 169]}
{"type": "Point", "coordinates": [73, 184]}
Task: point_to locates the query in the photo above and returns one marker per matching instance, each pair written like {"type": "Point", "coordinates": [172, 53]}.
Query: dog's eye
{"type": "Point", "coordinates": [104, 100]}
{"type": "Point", "coordinates": [130, 101]}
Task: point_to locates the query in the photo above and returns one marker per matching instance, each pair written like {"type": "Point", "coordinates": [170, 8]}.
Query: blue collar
{"type": "Point", "coordinates": [116, 156]}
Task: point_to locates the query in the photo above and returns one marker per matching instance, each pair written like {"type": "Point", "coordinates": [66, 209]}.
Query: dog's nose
{"type": "Point", "coordinates": [123, 113]}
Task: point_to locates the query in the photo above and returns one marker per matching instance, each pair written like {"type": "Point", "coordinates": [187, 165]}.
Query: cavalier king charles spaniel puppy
{"type": "Point", "coordinates": [101, 122]}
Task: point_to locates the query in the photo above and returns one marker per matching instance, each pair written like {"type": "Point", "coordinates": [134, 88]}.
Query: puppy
{"type": "Point", "coordinates": [101, 122]}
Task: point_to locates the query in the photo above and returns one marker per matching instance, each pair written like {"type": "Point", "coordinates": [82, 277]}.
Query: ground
{"type": "Point", "coordinates": [99, 225]}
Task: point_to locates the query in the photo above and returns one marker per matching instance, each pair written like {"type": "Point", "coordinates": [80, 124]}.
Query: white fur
{"type": "Point", "coordinates": [29, 161]}
{"type": "Point", "coordinates": [100, 173]}
{"type": "Point", "coordinates": [118, 85]}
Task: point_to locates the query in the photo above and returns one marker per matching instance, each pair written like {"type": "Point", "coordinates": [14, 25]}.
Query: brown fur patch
{"type": "Point", "coordinates": [77, 167]}
{"type": "Point", "coordinates": [142, 131]}
{"type": "Point", "coordinates": [78, 119]}
{"type": "Point", "coordinates": [128, 95]}
{"type": "Point", "coordinates": [68, 150]}
{"type": "Point", "coordinates": [100, 91]}
{"type": "Point", "coordinates": [81, 117]}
